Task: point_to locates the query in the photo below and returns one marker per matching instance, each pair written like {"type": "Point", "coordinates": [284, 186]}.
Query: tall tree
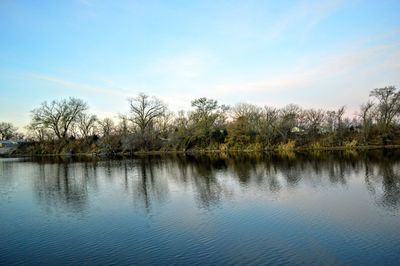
{"type": "Point", "coordinates": [249, 111]}
{"type": "Point", "coordinates": [123, 127]}
{"type": "Point", "coordinates": [366, 118]}
{"type": "Point", "coordinates": [207, 121]}
{"type": "Point", "coordinates": [58, 116]}
{"type": "Point", "coordinates": [246, 125]}
{"type": "Point", "coordinates": [86, 124]}
{"type": "Point", "coordinates": [7, 131]}
{"type": "Point", "coordinates": [388, 104]}
{"type": "Point", "coordinates": [39, 132]}
{"type": "Point", "coordinates": [340, 124]}
{"type": "Point", "coordinates": [269, 124]}
{"type": "Point", "coordinates": [204, 107]}
{"type": "Point", "coordinates": [313, 120]}
{"type": "Point", "coordinates": [106, 126]}
{"type": "Point", "coordinates": [145, 110]}
{"type": "Point", "coordinates": [289, 118]}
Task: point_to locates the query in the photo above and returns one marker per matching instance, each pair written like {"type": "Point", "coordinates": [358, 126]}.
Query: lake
{"type": "Point", "coordinates": [293, 209]}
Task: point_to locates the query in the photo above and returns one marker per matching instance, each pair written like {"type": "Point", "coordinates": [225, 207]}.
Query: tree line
{"type": "Point", "coordinates": [66, 125]}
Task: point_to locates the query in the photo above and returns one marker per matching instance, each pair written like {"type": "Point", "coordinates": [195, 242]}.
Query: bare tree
{"type": "Point", "coordinates": [339, 117]}
{"type": "Point", "coordinates": [289, 118]}
{"type": "Point", "coordinates": [7, 131]}
{"type": "Point", "coordinates": [340, 124]}
{"type": "Point", "coordinates": [313, 119]}
{"type": "Point", "coordinates": [106, 126]}
{"type": "Point", "coordinates": [86, 124]}
{"type": "Point", "coordinates": [249, 114]}
{"type": "Point", "coordinates": [181, 120]}
{"type": "Point", "coordinates": [58, 115]}
{"type": "Point", "coordinates": [250, 111]}
{"type": "Point", "coordinates": [388, 104]}
{"type": "Point", "coordinates": [270, 116]}
{"type": "Point", "coordinates": [163, 123]}
{"type": "Point", "coordinates": [330, 121]}
{"type": "Point", "coordinates": [269, 123]}
{"type": "Point", "coordinates": [39, 133]}
{"type": "Point", "coordinates": [365, 115]}
{"type": "Point", "coordinates": [123, 126]}
{"type": "Point", "coordinates": [145, 110]}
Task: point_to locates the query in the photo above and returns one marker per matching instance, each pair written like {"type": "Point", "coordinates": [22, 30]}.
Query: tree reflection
{"type": "Point", "coordinates": [149, 185]}
{"type": "Point", "coordinates": [383, 182]}
{"type": "Point", "coordinates": [211, 179]}
{"type": "Point", "coordinates": [199, 172]}
{"type": "Point", "coordinates": [59, 184]}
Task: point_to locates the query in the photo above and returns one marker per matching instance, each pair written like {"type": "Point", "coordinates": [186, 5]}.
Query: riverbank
{"type": "Point", "coordinates": [207, 151]}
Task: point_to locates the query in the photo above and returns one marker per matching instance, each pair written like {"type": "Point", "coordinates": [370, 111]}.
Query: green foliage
{"type": "Point", "coordinates": [239, 134]}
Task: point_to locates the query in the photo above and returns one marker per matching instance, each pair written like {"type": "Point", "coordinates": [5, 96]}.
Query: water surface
{"type": "Point", "coordinates": [333, 208]}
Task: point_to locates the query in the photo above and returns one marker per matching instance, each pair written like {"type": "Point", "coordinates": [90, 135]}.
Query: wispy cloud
{"type": "Point", "coordinates": [67, 84]}
{"type": "Point", "coordinates": [317, 70]}
{"type": "Point", "coordinates": [345, 66]}
{"type": "Point", "coordinates": [302, 18]}
{"type": "Point", "coordinates": [176, 102]}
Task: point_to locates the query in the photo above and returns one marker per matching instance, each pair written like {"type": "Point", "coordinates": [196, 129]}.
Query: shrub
{"type": "Point", "coordinates": [315, 146]}
{"type": "Point", "coordinates": [350, 144]}
{"type": "Point", "coordinates": [289, 146]}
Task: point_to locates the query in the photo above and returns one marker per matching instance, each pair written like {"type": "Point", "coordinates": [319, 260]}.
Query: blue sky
{"type": "Point", "coordinates": [320, 54]}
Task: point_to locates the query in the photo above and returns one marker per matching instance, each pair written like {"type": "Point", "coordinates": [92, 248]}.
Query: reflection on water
{"type": "Point", "coordinates": [346, 187]}
{"type": "Point", "coordinates": [64, 182]}
{"type": "Point", "coordinates": [59, 186]}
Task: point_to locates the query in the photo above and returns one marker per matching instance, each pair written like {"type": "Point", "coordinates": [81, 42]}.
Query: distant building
{"type": "Point", "coordinates": [297, 130]}
{"type": "Point", "coordinates": [8, 146]}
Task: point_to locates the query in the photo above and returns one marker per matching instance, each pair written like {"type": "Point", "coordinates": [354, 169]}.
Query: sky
{"type": "Point", "coordinates": [317, 54]}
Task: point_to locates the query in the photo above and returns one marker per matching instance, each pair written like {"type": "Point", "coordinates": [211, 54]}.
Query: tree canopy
{"type": "Point", "coordinates": [7, 131]}
{"type": "Point", "coordinates": [209, 125]}
{"type": "Point", "coordinates": [58, 116]}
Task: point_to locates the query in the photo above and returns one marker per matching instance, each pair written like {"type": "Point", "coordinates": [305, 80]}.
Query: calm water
{"type": "Point", "coordinates": [295, 209]}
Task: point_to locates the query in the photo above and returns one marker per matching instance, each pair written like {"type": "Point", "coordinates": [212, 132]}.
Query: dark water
{"type": "Point", "coordinates": [335, 208]}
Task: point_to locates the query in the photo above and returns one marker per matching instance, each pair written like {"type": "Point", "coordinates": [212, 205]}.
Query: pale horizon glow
{"type": "Point", "coordinates": [317, 54]}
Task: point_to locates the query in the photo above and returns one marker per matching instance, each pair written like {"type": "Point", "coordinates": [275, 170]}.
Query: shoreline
{"type": "Point", "coordinates": [208, 151]}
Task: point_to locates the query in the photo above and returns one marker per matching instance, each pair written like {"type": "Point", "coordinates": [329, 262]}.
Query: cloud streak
{"type": "Point", "coordinates": [382, 56]}
{"type": "Point", "coordinates": [344, 66]}
{"type": "Point", "coordinates": [78, 86]}
{"type": "Point", "coordinates": [302, 18]}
